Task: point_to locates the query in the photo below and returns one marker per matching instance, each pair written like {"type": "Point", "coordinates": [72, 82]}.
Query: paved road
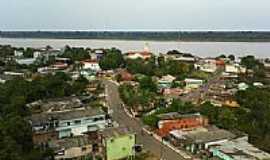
{"type": "Point", "coordinates": [121, 117]}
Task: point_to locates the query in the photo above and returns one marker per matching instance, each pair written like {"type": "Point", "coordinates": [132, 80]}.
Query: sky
{"type": "Point", "coordinates": [134, 15]}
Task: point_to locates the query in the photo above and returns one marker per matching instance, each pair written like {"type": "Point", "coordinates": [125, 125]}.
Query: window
{"type": "Point", "coordinates": [68, 123]}
{"type": "Point", "coordinates": [77, 121]}
{"type": "Point", "coordinates": [83, 148]}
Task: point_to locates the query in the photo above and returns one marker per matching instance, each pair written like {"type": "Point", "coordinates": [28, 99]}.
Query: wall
{"type": "Point", "coordinates": [168, 125]}
{"type": "Point", "coordinates": [86, 124]}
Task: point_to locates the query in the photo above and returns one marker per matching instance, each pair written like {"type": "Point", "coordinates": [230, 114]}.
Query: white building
{"type": "Point", "coordinates": [235, 68]}
{"type": "Point", "coordinates": [193, 83]}
{"type": "Point", "coordinates": [37, 54]}
{"type": "Point", "coordinates": [207, 65]}
{"type": "Point", "coordinates": [92, 65]}
{"type": "Point", "coordinates": [18, 53]}
{"type": "Point", "coordinates": [136, 55]}
{"type": "Point", "coordinates": [26, 61]}
{"type": "Point", "coordinates": [238, 149]}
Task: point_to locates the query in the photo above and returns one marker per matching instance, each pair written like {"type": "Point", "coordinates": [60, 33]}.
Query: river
{"type": "Point", "coordinates": [203, 49]}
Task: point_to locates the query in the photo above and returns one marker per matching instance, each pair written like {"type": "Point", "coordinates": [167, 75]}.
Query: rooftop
{"type": "Point", "coordinates": [41, 118]}
{"type": "Point", "coordinates": [210, 136]}
{"type": "Point", "coordinates": [56, 105]}
{"type": "Point", "coordinates": [116, 132]}
{"type": "Point", "coordinates": [78, 141]}
{"type": "Point", "coordinates": [240, 149]}
{"type": "Point", "coordinates": [176, 115]}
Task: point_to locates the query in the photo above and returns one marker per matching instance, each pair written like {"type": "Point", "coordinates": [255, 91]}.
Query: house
{"type": "Point", "coordinates": [124, 75]}
{"type": "Point", "coordinates": [243, 86]}
{"type": "Point", "coordinates": [235, 69]}
{"type": "Point", "coordinates": [87, 73]}
{"type": "Point", "coordinates": [62, 60]}
{"type": "Point", "coordinates": [59, 66]}
{"type": "Point", "coordinates": [18, 53]}
{"type": "Point", "coordinates": [199, 139]}
{"type": "Point", "coordinates": [172, 92]}
{"type": "Point", "coordinates": [91, 64]}
{"type": "Point", "coordinates": [166, 81]}
{"type": "Point", "coordinates": [68, 117]}
{"type": "Point", "coordinates": [174, 121]}
{"type": "Point", "coordinates": [238, 149]}
{"type": "Point", "coordinates": [193, 83]}
{"type": "Point", "coordinates": [119, 143]}
{"type": "Point", "coordinates": [37, 54]}
{"type": "Point", "coordinates": [135, 55]}
{"type": "Point", "coordinates": [97, 54]}
{"type": "Point", "coordinates": [14, 74]}
{"type": "Point", "coordinates": [258, 84]}
{"type": "Point", "coordinates": [71, 123]}
{"type": "Point", "coordinates": [206, 65]}
{"type": "Point", "coordinates": [183, 57]}
{"type": "Point", "coordinates": [26, 61]}
{"type": "Point", "coordinates": [80, 147]}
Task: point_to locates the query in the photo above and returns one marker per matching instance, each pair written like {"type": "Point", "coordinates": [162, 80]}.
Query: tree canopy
{"type": "Point", "coordinates": [113, 59]}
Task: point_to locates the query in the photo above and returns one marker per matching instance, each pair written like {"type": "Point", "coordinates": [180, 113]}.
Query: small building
{"type": "Point", "coordinates": [119, 143]}
{"type": "Point", "coordinates": [14, 74]}
{"type": "Point", "coordinates": [242, 86]}
{"type": "Point", "coordinates": [68, 117]}
{"type": "Point", "coordinates": [193, 83]}
{"type": "Point", "coordinates": [182, 57]}
{"type": "Point", "coordinates": [18, 53]}
{"type": "Point", "coordinates": [37, 54]}
{"type": "Point", "coordinates": [91, 64]}
{"type": "Point", "coordinates": [258, 84]}
{"type": "Point", "coordinates": [26, 61]}
{"type": "Point", "coordinates": [97, 54]}
{"type": "Point", "coordinates": [172, 92]}
{"type": "Point", "coordinates": [166, 81]}
{"type": "Point", "coordinates": [135, 55]}
{"type": "Point", "coordinates": [235, 69]}
{"type": "Point", "coordinates": [173, 121]}
{"type": "Point", "coordinates": [80, 147]}
{"type": "Point", "coordinates": [59, 66]}
{"type": "Point", "coordinates": [238, 149]}
{"type": "Point", "coordinates": [199, 139]}
{"type": "Point", "coordinates": [206, 65]}
{"type": "Point", "coordinates": [124, 75]}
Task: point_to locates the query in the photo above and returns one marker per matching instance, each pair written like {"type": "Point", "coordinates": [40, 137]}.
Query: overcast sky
{"type": "Point", "coordinates": [134, 14]}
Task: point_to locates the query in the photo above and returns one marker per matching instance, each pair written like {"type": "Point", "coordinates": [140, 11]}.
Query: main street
{"type": "Point", "coordinates": [120, 116]}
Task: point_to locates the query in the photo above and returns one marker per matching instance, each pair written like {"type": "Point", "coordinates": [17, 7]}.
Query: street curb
{"type": "Point", "coordinates": [158, 138]}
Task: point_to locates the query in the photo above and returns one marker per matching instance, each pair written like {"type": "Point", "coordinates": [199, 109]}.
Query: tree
{"type": "Point", "coordinates": [28, 53]}
{"type": "Point", "coordinates": [249, 61]}
{"type": "Point", "coordinates": [231, 57]}
{"type": "Point", "coordinates": [75, 54]}
{"type": "Point", "coordinates": [147, 83]}
{"type": "Point", "coordinates": [222, 56]}
{"type": "Point", "coordinates": [112, 60]}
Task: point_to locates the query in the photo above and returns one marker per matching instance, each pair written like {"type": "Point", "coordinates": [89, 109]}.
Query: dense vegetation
{"type": "Point", "coordinates": [159, 67]}
{"type": "Point", "coordinates": [113, 59]}
{"type": "Point", "coordinates": [75, 54]}
{"type": "Point", "coordinates": [140, 96]}
{"type": "Point", "coordinates": [173, 35]}
{"type": "Point", "coordinates": [15, 131]}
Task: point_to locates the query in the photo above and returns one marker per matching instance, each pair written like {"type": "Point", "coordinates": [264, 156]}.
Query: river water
{"type": "Point", "coordinates": [203, 49]}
